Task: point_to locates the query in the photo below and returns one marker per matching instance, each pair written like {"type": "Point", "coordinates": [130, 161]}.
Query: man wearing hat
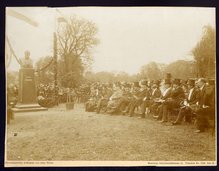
{"type": "Point", "coordinates": [105, 95]}
{"type": "Point", "coordinates": [139, 96]}
{"type": "Point", "coordinates": [177, 96]}
{"type": "Point", "coordinates": [148, 103]}
{"type": "Point", "coordinates": [188, 104]}
{"type": "Point", "coordinates": [206, 104]}
{"type": "Point", "coordinates": [135, 88]}
{"type": "Point", "coordinates": [162, 108]}
{"type": "Point", "coordinates": [126, 98]}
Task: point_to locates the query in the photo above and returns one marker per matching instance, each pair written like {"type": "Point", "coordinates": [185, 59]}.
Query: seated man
{"type": "Point", "coordinates": [91, 104]}
{"type": "Point", "coordinates": [126, 98]}
{"type": "Point", "coordinates": [188, 104]}
{"type": "Point", "coordinates": [134, 90]}
{"type": "Point", "coordinates": [162, 108]}
{"type": "Point", "coordinates": [177, 96]}
{"type": "Point", "coordinates": [206, 104]}
{"type": "Point", "coordinates": [149, 102]}
{"type": "Point", "coordinates": [106, 93]}
{"type": "Point", "coordinates": [138, 97]}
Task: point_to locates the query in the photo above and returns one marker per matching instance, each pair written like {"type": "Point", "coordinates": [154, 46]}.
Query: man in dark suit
{"type": "Point", "coordinates": [206, 105]}
{"type": "Point", "coordinates": [105, 95]}
{"type": "Point", "coordinates": [149, 102]}
{"type": "Point", "coordinates": [162, 109]}
{"type": "Point", "coordinates": [139, 96]}
{"type": "Point", "coordinates": [188, 104]}
{"type": "Point", "coordinates": [176, 97]}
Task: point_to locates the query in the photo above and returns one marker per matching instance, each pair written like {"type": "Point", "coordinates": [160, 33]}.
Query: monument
{"type": "Point", "coordinates": [27, 95]}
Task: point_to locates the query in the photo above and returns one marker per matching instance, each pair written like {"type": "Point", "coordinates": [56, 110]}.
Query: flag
{"type": "Point", "coordinates": [61, 19]}
{"type": "Point", "coordinates": [22, 17]}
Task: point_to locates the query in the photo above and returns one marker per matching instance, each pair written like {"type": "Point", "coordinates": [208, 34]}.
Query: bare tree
{"type": "Point", "coordinates": [76, 38]}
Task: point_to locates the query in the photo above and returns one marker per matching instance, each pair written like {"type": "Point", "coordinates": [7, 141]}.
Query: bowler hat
{"type": "Point", "coordinates": [136, 84]}
{"type": "Point", "coordinates": [168, 76]}
{"type": "Point", "coordinates": [157, 82]}
{"type": "Point", "coordinates": [143, 82]}
{"type": "Point", "coordinates": [127, 85]}
{"type": "Point", "coordinates": [183, 82]}
{"type": "Point", "coordinates": [176, 81]}
{"type": "Point", "coordinates": [167, 81]}
{"type": "Point", "coordinates": [191, 82]}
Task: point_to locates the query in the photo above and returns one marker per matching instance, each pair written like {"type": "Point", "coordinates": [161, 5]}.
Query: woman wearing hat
{"type": "Point", "coordinates": [114, 99]}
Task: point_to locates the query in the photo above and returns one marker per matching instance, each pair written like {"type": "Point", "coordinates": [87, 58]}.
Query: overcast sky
{"type": "Point", "coordinates": [129, 37]}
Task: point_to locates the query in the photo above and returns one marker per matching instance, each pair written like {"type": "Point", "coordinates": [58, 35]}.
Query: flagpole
{"type": "Point", "coordinates": [55, 60]}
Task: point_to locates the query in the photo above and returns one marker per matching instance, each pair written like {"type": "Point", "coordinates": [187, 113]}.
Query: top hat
{"type": "Point", "coordinates": [143, 82]}
{"type": "Point", "coordinates": [211, 82]}
{"type": "Point", "coordinates": [110, 85]}
{"type": "Point", "coordinates": [157, 82]}
{"type": "Point", "coordinates": [168, 76]}
{"type": "Point", "coordinates": [167, 81]}
{"type": "Point", "coordinates": [127, 85]}
{"type": "Point", "coordinates": [152, 81]}
{"type": "Point", "coordinates": [183, 82]}
{"type": "Point", "coordinates": [191, 82]}
{"type": "Point", "coordinates": [176, 81]}
{"type": "Point", "coordinates": [136, 84]}
{"type": "Point", "coordinates": [117, 83]}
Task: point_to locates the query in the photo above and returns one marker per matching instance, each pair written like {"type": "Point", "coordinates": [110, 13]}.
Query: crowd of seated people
{"type": "Point", "coordinates": [171, 101]}
{"type": "Point", "coordinates": [46, 94]}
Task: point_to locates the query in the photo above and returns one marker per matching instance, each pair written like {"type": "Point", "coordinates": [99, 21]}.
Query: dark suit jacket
{"type": "Point", "coordinates": [202, 96]}
{"type": "Point", "coordinates": [178, 94]}
{"type": "Point", "coordinates": [143, 93]}
{"type": "Point", "coordinates": [194, 97]}
{"type": "Point", "coordinates": [207, 96]}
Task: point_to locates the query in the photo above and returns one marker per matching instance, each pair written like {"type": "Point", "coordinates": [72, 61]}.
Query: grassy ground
{"type": "Point", "coordinates": [77, 135]}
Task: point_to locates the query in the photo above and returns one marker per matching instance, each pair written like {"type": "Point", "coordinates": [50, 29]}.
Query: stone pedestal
{"type": "Point", "coordinates": [27, 89]}
{"type": "Point", "coordinates": [27, 95]}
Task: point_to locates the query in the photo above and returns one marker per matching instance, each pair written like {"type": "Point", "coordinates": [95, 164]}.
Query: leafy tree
{"type": "Point", "coordinates": [150, 71]}
{"type": "Point", "coordinates": [12, 77]}
{"type": "Point", "coordinates": [205, 53]}
{"type": "Point", "coordinates": [45, 69]}
{"type": "Point", "coordinates": [181, 69]}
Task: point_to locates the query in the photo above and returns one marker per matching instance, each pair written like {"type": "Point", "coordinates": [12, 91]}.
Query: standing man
{"type": "Point", "coordinates": [206, 105]}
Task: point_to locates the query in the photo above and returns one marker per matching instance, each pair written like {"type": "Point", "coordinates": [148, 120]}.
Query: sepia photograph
{"type": "Point", "coordinates": [110, 86]}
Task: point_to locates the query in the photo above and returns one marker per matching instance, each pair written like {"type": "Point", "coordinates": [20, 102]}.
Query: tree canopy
{"type": "Point", "coordinates": [204, 53]}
